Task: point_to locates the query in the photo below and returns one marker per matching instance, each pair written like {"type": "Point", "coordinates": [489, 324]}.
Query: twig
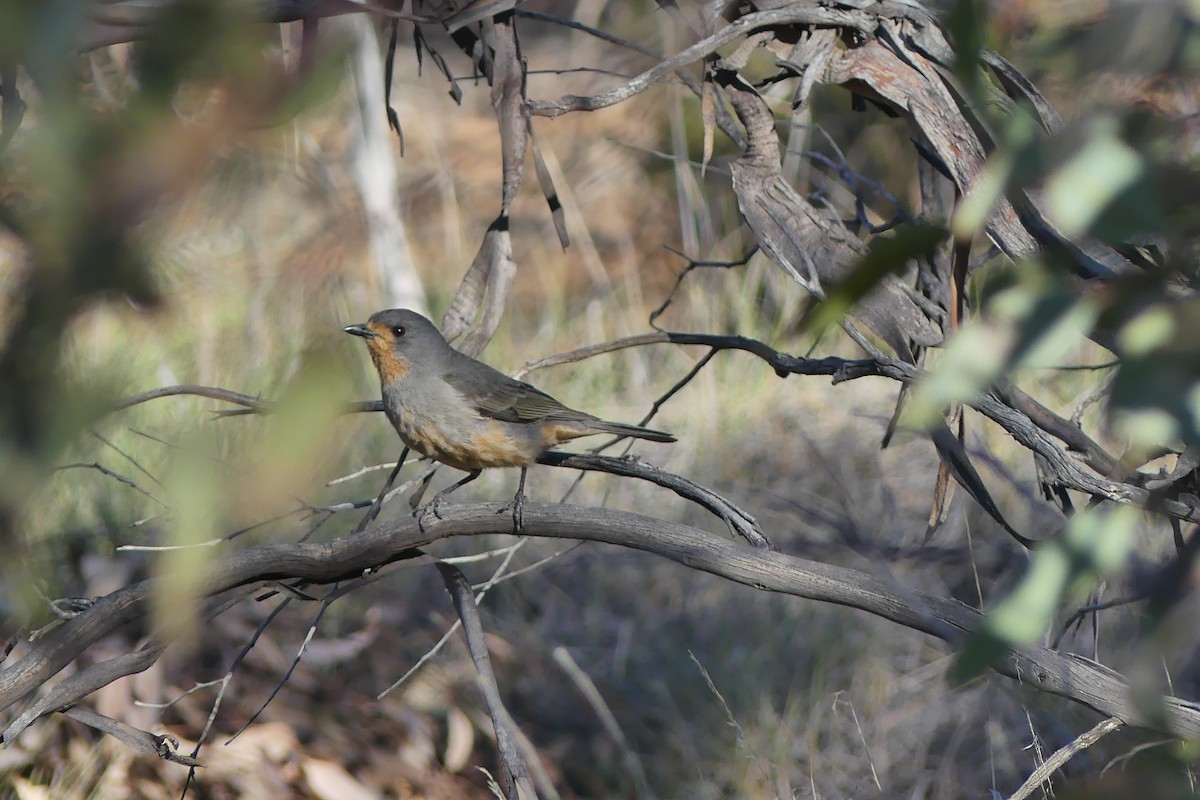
{"type": "Point", "coordinates": [211, 392]}
{"type": "Point", "coordinates": [587, 688]}
{"type": "Point", "coordinates": [739, 521]}
{"type": "Point", "coordinates": [225, 681]}
{"type": "Point", "coordinates": [312, 629]}
{"type": "Point", "coordinates": [250, 405]}
{"type": "Point", "coordinates": [1063, 755]}
{"type": "Point", "coordinates": [673, 158]}
{"type": "Point", "coordinates": [694, 264]}
{"type": "Point", "coordinates": [196, 688]}
{"type": "Point", "coordinates": [1116, 362]}
{"type": "Point", "coordinates": [137, 465]}
{"type": "Point", "coordinates": [862, 737]}
{"type": "Point", "coordinates": [742, 742]}
{"type": "Point", "coordinates": [724, 121]}
{"type": "Point", "coordinates": [1092, 608]}
{"type": "Point", "coordinates": [657, 405]}
{"type": "Point", "coordinates": [164, 746]}
{"type": "Point", "coordinates": [437, 647]}
{"type": "Point", "coordinates": [377, 505]}
{"type": "Point", "coordinates": [1133, 751]}
{"type": "Point", "coordinates": [516, 573]}
{"type": "Point", "coordinates": [358, 473]}
{"type": "Point", "coordinates": [103, 470]}
{"type": "Point", "coordinates": [582, 353]}
{"type": "Point", "coordinates": [168, 548]}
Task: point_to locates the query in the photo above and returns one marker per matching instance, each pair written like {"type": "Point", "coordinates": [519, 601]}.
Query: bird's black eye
{"type": "Point", "coordinates": [397, 331]}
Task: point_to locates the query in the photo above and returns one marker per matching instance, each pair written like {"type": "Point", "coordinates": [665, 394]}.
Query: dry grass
{"type": "Point", "coordinates": [721, 691]}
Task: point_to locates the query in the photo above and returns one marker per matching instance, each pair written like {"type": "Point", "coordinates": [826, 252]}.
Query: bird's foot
{"type": "Point", "coordinates": [517, 507]}
{"type": "Point", "coordinates": [423, 512]}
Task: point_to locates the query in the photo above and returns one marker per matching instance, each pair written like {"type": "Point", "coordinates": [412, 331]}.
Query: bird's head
{"type": "Point", "coordinates": [398, 340]}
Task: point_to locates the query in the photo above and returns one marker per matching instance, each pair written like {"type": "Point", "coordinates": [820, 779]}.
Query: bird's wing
{"type": "Point", "coordinates": [495, 395]}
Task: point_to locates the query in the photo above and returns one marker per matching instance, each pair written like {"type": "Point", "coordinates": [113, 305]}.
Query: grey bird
{"type": "Point", "coordinates": [463, 413]}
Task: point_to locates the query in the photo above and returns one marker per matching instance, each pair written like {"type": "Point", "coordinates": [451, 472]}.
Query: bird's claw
{"type": "Point", "coordinates": [422, 512]}
{"type": "Point", "coordinates": [517, 507]}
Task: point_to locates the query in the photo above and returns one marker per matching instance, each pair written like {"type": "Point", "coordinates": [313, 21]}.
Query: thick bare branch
{"type": "Point", "coordinates": [516, 775]}
{"type": "Point", "coordinates": [1065, 675]}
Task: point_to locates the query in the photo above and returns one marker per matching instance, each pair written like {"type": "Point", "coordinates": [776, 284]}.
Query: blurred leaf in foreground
{"type": "Point", "coordinates": [1155, 399]}
{"type": "Point", "coordinates": [1034, 321]}
{"type": "Point", "coordinates": [1062, 570]}
{"type": "Point", "coordinates": [1103, 167]}
{"type": "Point", "coordinates": [195, 497]}
{"type": "Point", "coordinates": [885, 256]}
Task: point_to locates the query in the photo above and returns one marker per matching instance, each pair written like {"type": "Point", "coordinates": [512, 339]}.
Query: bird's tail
{"type": "Point", "coordinates": [621, 429]}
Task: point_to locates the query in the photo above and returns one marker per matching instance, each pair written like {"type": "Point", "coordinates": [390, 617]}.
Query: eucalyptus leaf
{"type": "Point", "coordinates": [1062, 571]}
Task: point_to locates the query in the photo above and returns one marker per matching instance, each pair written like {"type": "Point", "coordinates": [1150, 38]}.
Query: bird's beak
{"type": "Point", "coordinates": [360, 330]}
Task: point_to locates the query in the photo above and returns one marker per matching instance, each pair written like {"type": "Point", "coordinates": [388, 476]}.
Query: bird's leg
{"type": "Point", "coordinates": [517, 506]}
{"type": "Point", "coordinates": [415, 501]}
{"type": "Point", "coordinates": [378, 504]}
{"type": "Point", "coordinates": [434, 505]}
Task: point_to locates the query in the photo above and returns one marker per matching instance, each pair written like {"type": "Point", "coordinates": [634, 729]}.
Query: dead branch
{"type": "Point", "coordinates": [1063, 755]}
{"type": "Point", "coordinates": [1066, 675]}
{"type": "Point", "coordinates": [516, 775]}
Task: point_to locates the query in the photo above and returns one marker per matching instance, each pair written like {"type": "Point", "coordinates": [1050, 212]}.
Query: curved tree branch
{"type": "Point", "coordinates": [1065, 675]}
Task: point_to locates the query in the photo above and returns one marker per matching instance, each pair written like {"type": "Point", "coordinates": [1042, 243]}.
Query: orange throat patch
{"type": "Point", "coordinates": [390, 366]}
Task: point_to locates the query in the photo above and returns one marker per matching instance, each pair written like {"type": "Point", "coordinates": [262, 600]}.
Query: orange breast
{"type": "Point", "coordinates": [490, 446]}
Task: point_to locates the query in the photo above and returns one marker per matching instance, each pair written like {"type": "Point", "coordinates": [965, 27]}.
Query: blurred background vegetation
{"type": "Point", "coordinates": [185, 210]}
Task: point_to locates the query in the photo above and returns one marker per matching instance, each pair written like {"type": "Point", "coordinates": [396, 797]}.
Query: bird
{"type": "Point", "coordinates": [463, 413]}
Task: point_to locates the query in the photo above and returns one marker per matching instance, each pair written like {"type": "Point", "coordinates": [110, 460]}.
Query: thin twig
{"type": "Point", "coordinates": [862, 737]}
{"type": "Point", "coordinates": [137, 465]}
{"type": "Point", "coordinates": [377, 505]}
{"type": "Point", "coordinates": [437, 647]}
{"type": "Point", "coordinates": [103, 470]}
{"type": "Point", "coordinates": [694, 264]}
{"type": "Point", "coordinates": [1092, 608]}
{"type": "Point", "coordinates": [196, 688]}
{"type": "Point", "coordinates": [358, 473]}
{"type": "Point", "coordinates": [792, 15]}
{"type": "Point", "coordinates": [541, 562]}
{"type": "Point", "coordinates": [312, 629]}
{"type": "Point", "coordinates": [587, 688]}
{"type": "Point", "coordinates": [1133, 751]}
{"type": "Point", "coordinates": [1063, 755]}
{"type": "Point", "coordinates": [743, 743]}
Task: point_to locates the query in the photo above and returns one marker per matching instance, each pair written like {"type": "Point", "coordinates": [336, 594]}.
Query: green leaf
{"type": "Point", "coordinates": [1033, 322]}
{"type": "Point", "coordinates": [972, 359]}
{"type": "Point", "coordinates": [1155, 398]}
{"type": "Point", "coordinates": [1104, 167]}
{"type": "Point", "coordinates": [1062, 570]}
{"type": "Point", "coordinates": [195, 497]}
